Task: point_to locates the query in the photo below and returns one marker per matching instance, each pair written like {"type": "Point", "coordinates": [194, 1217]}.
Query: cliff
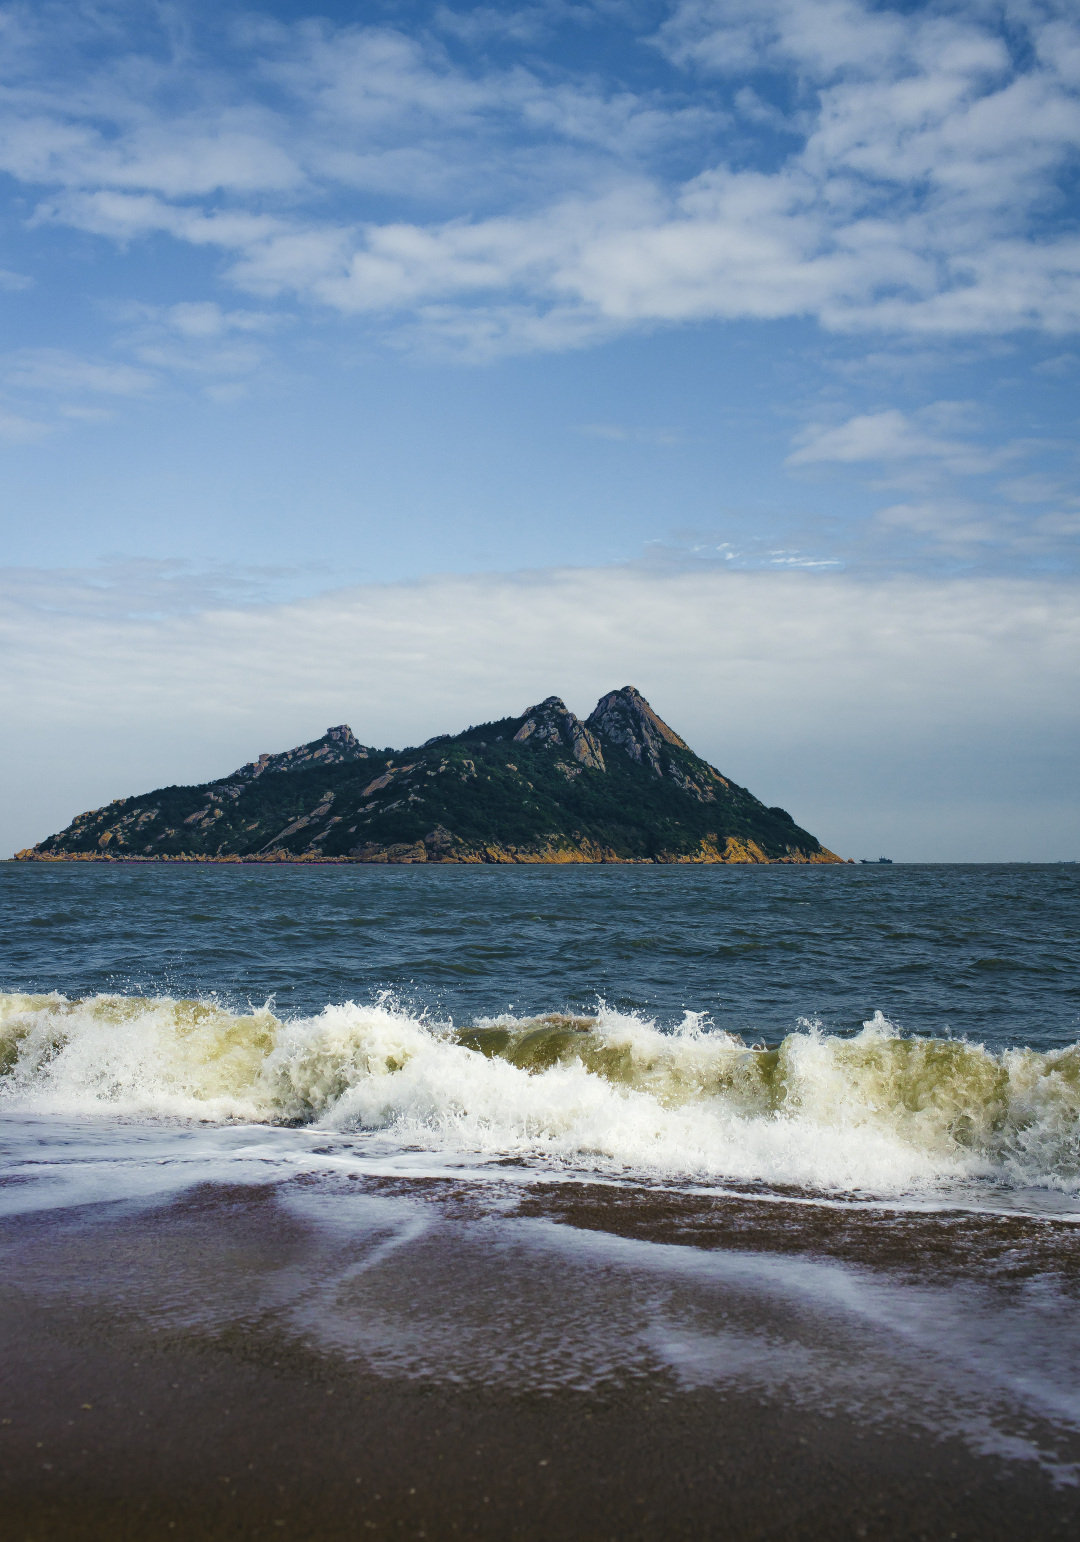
{"type": "Point", "coordinates": [543, 787]}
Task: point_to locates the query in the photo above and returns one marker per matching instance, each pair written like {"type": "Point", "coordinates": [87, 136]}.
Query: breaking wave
{"type": "Point", "coordinates": [874, 1113]}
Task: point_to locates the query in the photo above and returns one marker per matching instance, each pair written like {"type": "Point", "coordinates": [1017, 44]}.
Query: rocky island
{"type": "Point", "coordinates": [620, 786]}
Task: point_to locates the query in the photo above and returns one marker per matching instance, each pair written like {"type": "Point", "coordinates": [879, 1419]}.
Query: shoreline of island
{"type": "Point", "coordinates": [417, 856]}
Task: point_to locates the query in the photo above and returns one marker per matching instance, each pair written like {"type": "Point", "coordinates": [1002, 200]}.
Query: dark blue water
{"type": "Point", "coordinates": [990, 952]}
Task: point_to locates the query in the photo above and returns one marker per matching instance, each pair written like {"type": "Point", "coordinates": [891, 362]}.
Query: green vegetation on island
{"type": "Point", "coordinates": [620, 786]}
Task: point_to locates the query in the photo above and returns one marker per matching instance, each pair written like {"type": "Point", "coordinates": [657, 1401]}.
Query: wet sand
{"type": "Point", "coordinates": [205, 1369]}
{"type": "Point", "coordinates": [911, 1244]}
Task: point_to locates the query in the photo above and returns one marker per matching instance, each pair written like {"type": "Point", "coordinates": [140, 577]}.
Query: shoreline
{"type": "Point", "coordinates": [490, 858]}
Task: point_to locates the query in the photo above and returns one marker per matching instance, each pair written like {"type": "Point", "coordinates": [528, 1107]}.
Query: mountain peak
{"type": "Point", "coordinates": [336, 746]}
{"type": "Point", "coordinates": [552, 723]}
{"type": "Point", "coordinates": [625, 718]}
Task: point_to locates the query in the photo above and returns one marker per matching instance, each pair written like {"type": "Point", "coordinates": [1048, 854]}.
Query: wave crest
{"type": "Point", "coordinates": [877, 1112]}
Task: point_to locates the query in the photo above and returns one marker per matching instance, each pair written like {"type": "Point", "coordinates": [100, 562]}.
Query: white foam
{"type": "Point", "coordinates": [875, 1113]}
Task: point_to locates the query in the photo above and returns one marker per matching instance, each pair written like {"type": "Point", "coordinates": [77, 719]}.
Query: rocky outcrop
{"type": "Point", "coordinates": [337, 747]}
{"type": "Point", "coordinates": [553, 724]}
{"type": "Point", "coordinates": [626, 719]}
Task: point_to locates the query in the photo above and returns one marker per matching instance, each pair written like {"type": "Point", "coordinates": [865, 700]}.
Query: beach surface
{"type": "Point", "coordinates": [336, 1356]}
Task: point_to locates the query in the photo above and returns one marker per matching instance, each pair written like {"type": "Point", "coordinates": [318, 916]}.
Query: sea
{"type": "Point", "coordinates": [808, 1131]}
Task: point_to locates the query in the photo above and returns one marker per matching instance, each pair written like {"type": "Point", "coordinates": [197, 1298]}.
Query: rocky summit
{"type": "Point", "coordinates": [543, 787]}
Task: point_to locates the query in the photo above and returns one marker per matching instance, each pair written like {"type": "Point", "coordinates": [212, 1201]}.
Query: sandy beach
{"type": "Point", "coordinates": [167, 1372]}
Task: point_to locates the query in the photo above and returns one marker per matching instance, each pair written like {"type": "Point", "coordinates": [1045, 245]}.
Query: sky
{"type": "Point", "coordinates": [403, 364]}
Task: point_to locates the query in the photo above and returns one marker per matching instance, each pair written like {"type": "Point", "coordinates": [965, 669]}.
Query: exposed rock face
{"type": "Point", "coordinates": [626, 719]}
{"type": "Point", "coordinates": [552, 723]}
{"type": "Point", "coordinates": [543, 787]}
{"type": "Point", "coordinates": [336, 747]}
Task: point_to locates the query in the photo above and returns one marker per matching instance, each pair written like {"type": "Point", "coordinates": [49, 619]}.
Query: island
{"type": "Point", "coordinates": [618, 786]}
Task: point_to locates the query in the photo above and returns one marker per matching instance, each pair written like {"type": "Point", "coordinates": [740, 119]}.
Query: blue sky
{"type": "Point", "coordinates": [755, 321]}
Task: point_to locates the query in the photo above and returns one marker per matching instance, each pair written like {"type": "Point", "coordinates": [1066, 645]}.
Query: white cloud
{"type": "Point", "coordinates": [55, 371]}
{"type": "Point", "coordinates": [127, 588]}
{"type": "Point", "coordinates": [1036, 488]}
{"type": "Point", "coordinates": [1062, 524]}
{"type": "Point", "coordinates": [78, 412]}
{"type": "Point", "coordinates": [619, 433]}
{"type": "Point", "coordinates": [231, 359]}
{"type": "Point", "coordinates": [892, 435]}
{"type": "Point", "coordinates": [200, 338]}
{"type": "Point", "coordinates": [193, 340]}
{"type": "Point", "coordinates": [62, 387]}
{"type": "Point", "coordinates": [822, 36]}
{"type": "Point", "coordinates": [205, 319]}
{"type": "Point", "coordinates": [1060, 364]}
{"type": "Point", "coordinates": [124, 217]}
{"type": "Point", "coordinates": [923, 192]}
{"type": "Point", "coordinates": [862, 705]}
{"type": "Point", "coordinates": [175, 158]}
{"type": "Point", "coordinates": [480, 24]}
{"type": "Point", "coordinates": [930, 453]}
{"type": "Point", "coordinates": [964, 528]}
{"type": "Point", "coordinates": [227, 391]}
{"type": "Point", "coordinates": [797, 560]}
{"type": "Point", "coordinates": [16, 429]}
{"type": "Point", "coordinates": [953, 524]}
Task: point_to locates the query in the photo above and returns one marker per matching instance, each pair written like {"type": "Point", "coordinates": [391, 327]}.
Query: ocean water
{"type": "Point", "coordinates": [808, 1136]}
{"type": "Point", "coordinates": [891, 1032]}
